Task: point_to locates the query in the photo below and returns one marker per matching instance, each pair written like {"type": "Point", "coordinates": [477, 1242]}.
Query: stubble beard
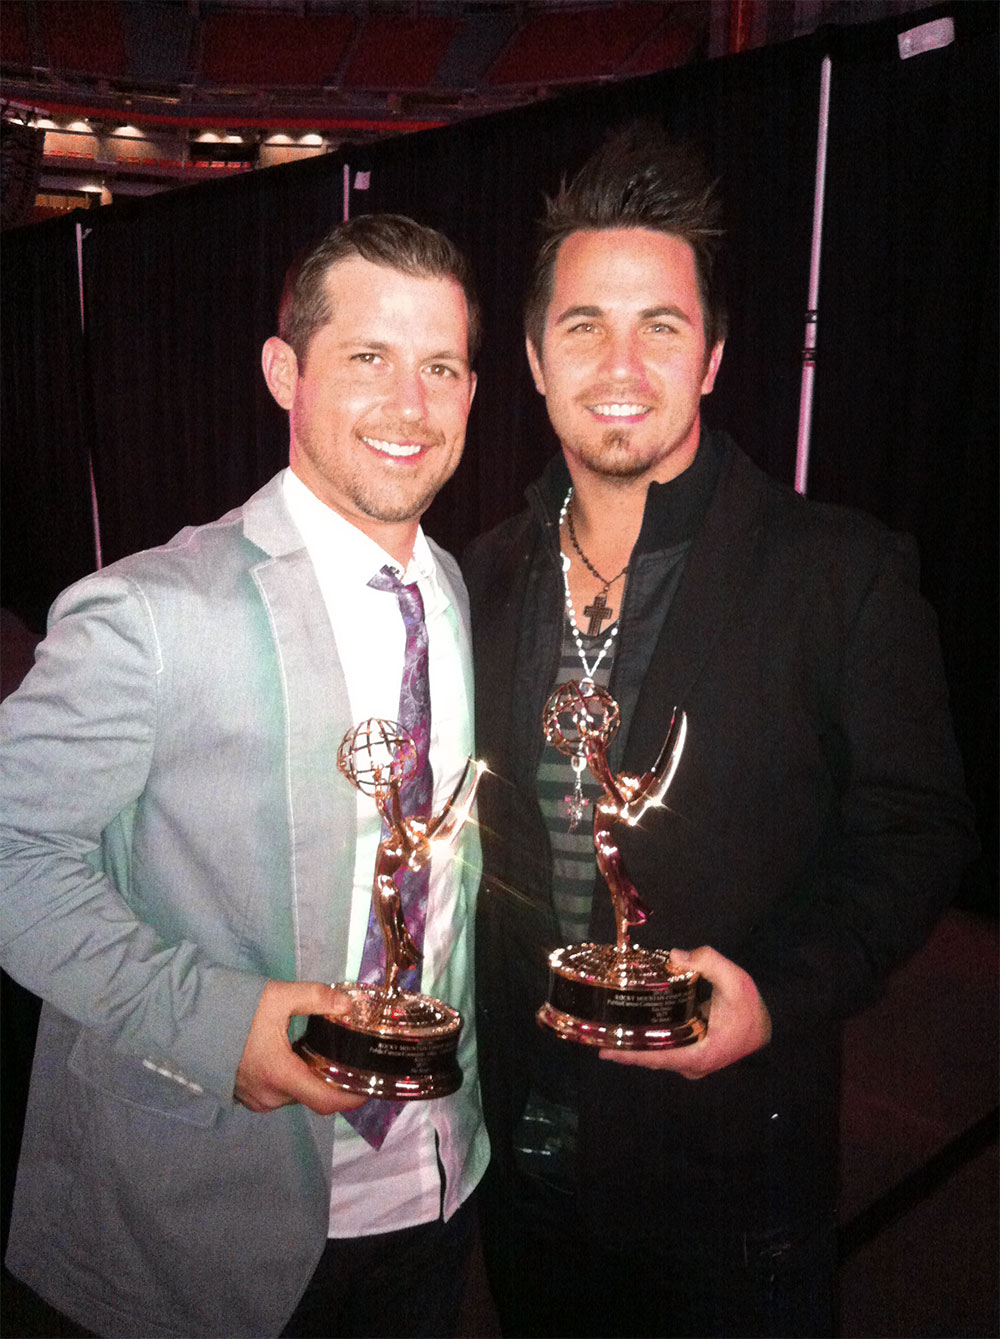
{"type": "Point", "coordinates": [380, 498]}
{"type": "Point", "coordinates": [379, 505]}
{"type": "Point", "coordinates": [392, 500]}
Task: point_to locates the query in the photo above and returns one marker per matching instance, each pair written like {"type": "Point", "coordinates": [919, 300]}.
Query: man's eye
{"type": "Point", "coordinates": [441, 370]}
{"type": "Point", "coordinates": [365, 358]}
{"type": "Point", "coordinates": [583, 328]}
{"type": "Point", "coordinates": [662, 328]}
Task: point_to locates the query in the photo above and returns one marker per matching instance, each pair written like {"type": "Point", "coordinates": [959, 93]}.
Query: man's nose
{"type": "Point", "coordinates": [623, 357]}
{"type": "Point", "coordinates": [409, 394]}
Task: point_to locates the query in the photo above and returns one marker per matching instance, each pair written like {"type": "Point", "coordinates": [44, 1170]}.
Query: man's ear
{"type": "Point", "coordinates": [281, 370]}
{"type": "Point", "coordinates": [712, 368]}
{"type": "Point", "coordinates": [535, 362]}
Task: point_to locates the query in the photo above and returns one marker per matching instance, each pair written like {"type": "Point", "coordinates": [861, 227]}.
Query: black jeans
{"type": "Point", "coordinates": [551, 1276]}
{"type": "Point", "coordinates": [407, 1283]}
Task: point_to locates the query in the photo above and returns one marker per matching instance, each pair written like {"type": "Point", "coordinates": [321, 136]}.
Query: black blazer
{"type": "Point", "coordinates": [815, 828]}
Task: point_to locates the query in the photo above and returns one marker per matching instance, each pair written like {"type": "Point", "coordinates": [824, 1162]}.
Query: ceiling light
{"type": "Point", "coordinates": [311, 139]}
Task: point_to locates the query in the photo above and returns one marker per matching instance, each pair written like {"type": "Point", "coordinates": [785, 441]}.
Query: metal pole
{"type": "Point", "coordinates": [812, 312]}
{"type": "Point", "coordinates": [741, 15]}
{"type": "Point", "coordinates": [95, 519]}
{"type": "Point", "coordinates": [347, 192]}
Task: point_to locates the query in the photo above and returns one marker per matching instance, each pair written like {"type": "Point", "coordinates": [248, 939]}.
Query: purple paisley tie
{"type": "Point", "coordinates": [372, 1121]}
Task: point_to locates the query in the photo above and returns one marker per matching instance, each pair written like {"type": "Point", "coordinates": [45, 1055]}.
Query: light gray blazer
{"type": "Point", "coordinates": [174, 834]}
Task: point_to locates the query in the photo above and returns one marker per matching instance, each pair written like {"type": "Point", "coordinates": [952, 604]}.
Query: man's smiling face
{"type": "Point", "coordinates": [624, 363]}
{"type": "Point", "coordinates": [379, 405]}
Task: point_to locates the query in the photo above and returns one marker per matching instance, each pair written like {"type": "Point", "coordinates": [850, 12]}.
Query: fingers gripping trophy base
{"type": "Point", "coordinates": [402, 1047]}
{"type": "Point", "coordinates": [634, 1000]}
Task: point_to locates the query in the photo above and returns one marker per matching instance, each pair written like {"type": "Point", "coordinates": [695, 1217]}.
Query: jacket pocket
{"type": "Point", "coordinates": [140, 1082]}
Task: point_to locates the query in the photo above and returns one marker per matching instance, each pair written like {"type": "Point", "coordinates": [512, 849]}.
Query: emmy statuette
{"type": "Point", "coordinates": [616, 995]}
{"type": "Point", "coordinates": [393, 1043]}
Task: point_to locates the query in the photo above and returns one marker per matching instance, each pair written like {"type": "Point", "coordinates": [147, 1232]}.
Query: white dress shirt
{"type": "Point", "coordinates": [400, 1184]}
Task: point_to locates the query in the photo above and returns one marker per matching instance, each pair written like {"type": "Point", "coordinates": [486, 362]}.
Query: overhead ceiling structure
{"type": "Point", "coordinates": [137, 97]}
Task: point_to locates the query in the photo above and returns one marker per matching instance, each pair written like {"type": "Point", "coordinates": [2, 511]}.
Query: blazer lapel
{"type": "Point", "coordinates": [714, 575]}
{"type": "Point", "coordinates": [322, 807]}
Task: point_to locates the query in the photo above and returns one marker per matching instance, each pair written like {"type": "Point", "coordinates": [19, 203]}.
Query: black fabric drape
{"type": "Point", "coordinates": [47, 535]}
{"type": "Point", "coordinates": [905, 422]}
{"type": "Point", "coordinates": [181, 292]}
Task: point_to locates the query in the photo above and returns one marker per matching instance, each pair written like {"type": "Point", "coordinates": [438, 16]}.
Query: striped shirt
{"type": "Point", "coordinates": [573, 864]}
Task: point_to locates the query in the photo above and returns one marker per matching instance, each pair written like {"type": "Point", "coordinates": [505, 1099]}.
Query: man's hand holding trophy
{"type": "Point", "coordinates": [393, 1043]}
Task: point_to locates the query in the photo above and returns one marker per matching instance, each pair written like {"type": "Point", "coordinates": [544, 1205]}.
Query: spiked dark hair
{"type": "Point", "coordinates": [391, 240]}
{"type": "Point", "coordinates": [638, 178]}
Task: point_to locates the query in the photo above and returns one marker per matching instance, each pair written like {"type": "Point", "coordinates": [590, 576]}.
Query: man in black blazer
{"type": "Point", "coordinates": [815, 827]}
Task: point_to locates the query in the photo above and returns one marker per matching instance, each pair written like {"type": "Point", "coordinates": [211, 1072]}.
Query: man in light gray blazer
{"type": "Point", "coordinates": [183, 869]}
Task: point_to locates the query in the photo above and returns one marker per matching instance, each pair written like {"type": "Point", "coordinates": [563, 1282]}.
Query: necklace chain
{"type": "Point", "coordinates": [607, 584]}
{"type": "Point", "coordinates": [588, 670]}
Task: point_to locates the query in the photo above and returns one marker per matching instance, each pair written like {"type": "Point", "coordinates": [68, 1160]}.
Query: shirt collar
{"type": "Point", "coordinates": [331, 540]}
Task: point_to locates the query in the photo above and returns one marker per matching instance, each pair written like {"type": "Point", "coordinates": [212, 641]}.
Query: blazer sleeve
{"type": "Point", "coordinates": [76, 745]}
{"type": "Point", "coordinates": [902, 831]}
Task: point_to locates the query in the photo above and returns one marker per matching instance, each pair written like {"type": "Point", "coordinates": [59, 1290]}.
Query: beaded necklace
{"type": "Point", "coordinates": [588, 670]}
{"type": "Point", "coordinates": [598, 609]}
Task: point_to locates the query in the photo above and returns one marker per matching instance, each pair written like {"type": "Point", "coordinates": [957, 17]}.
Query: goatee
{"type": "Point", "coordinates": [612, 459]}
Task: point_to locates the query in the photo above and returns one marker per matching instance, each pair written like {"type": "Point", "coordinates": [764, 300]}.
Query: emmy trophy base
{"type": "Point", "coordinates": [401, 1048]}
{"type": "Point", "coordinates": [634, 1000]}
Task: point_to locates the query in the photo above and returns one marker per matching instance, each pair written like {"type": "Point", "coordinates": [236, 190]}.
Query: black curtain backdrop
{"type": "Point", "coordinates": [181, 292]}
{"type": "Point", "coordinates": [166, 392]}
{"type": "Point", "coordinates": [45, 510]}
{"type": "Point", "coordinates": [905, 421]}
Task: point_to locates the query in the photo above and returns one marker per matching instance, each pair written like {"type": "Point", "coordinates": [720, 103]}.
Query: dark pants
{"type": "Point", "coordinates": [394, 1285]}
{"type": "Point", "coordinates": [551, 1276]}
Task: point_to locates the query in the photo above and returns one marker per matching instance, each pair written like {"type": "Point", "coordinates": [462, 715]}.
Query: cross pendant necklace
{"type": "Point", "coordinates": [598, 610]}
{"type": "Point", "coordinates": [588, 670]}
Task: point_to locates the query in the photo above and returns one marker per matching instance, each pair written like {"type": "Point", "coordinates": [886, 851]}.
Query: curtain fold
{"type": "Point", "coordinates": [45, 507]}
